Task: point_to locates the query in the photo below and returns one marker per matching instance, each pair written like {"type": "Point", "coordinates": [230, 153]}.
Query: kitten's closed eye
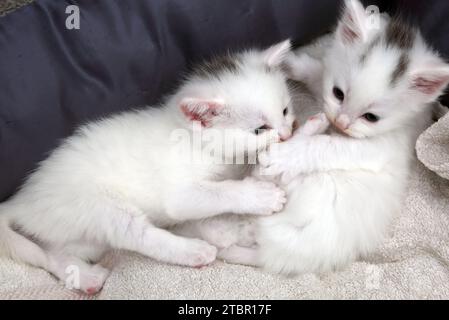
{"type": "Point", "coordinates": [370, 117]}
{"type": "Point", "coordinates": [261, 129]}
{"type": "Point", "coordinates": [285, 112]}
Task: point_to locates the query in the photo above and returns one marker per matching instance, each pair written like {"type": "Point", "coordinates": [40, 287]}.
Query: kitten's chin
{"type": "Point", "coordinates": [354, 134]}
{"type": "Point", "coordinates": [345, 132]}
{"type": "Point", "coordinates": [349, 133]}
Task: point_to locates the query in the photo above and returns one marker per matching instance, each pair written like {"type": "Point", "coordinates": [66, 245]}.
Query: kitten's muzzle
{"type": "Point", "coordinates": [342, 122]}
{"type": "Point", "coordinates": [284, 135]}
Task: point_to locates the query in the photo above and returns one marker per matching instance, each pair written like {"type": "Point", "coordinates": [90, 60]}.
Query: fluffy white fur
{"type": "Point", "coordinates": [344, 187]}
{"type": "Point", "coordinates": [118, 182]}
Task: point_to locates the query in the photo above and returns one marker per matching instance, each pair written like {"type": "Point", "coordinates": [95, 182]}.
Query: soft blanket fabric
{"type": "Point", "coordinates": [433, 147]}
{"type": "Point", "coordinates": [412, 264]}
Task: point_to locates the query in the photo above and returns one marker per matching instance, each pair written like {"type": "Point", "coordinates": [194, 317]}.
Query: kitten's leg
{"type": "Point", "coordinates": [221, 231]}
{"type": "Point", "coordinates": [285, 152]}
{"type": "Point", "coordinates": [126, 228]}
{"type": "Point", "coordinates": [133, 232]}
{"type": "Point", "coordinates": [86, 251]}
{"type": "Point", "coordinates": [211, 198]}
{"type": "Point", "coordinates": [306, 154]}
{"type": "Point", "coordinates": [76, 273]}
{"type": "Point", "coordinates": [240, 255]}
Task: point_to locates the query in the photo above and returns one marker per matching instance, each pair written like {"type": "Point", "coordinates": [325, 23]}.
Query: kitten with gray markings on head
{"type": "Point", "coordinates": [344, 187]}
{"type": "Point", "coordinates": [117, 183]}
{"type": "Point", "coordinates": [379, 85]}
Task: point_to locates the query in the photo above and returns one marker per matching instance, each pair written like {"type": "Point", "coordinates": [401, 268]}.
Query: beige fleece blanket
{"type": "Point", "coordinates": [412, 264]}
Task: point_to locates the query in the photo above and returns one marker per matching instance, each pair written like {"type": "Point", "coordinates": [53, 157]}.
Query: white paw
{"type": "Point", "coordinates": [278, 161]}
{"type": "Point", "coordinates": [273, 137]}
{"type": "Point", "coordinates": [225, 231]}
{"type": "Point", "coordinates": [267, 138]}
{"type": "Point", "coordinates": [263, 197]}
{"type": "Point", "coordinates": [316, 124]}
{"type": "Point", "coordinates": [199, 253]}
{"type": "Point", "coordinates": [92, 279]}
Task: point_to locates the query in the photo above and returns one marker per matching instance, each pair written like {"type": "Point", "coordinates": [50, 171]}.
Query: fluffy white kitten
{"type": "Point", "coordinates": [345, 187]}
{"type": "Point", "coordinates": [117, 182]}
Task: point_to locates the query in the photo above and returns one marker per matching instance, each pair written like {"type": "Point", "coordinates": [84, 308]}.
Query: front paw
{"type": "Point", "coordinates": [278, 162]}
{"type": "Point", "coordinates": [316, 124]}
{"type": "Point", "coordinates": [93, 279]}
{"type": "Point", "coordinates": [199, 253]}
{"type": "Point", "coordinates": [263, 198]}
{"type": "Point", "coordinates": [267, 138]}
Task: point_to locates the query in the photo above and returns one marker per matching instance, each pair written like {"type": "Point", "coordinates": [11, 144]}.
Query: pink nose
{"type": "Point", "coordinates": [343, 122]}
{"type": "Point", "coordinates": [285, 137]}
{"type": "Point", "coordinates": [285, 134]}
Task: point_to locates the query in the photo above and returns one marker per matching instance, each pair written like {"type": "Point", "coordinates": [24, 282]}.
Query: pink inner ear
{"type": "Point", "coordinates": [348, 28]}
{"type": "Point", "coordinates": [202, 112]}
{"type": "Point", "coordinates": [349, 35]}
{"type": "Point", "coordinates": [429, 85]}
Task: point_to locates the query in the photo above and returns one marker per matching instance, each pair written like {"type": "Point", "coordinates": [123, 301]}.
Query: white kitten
{"type": "Point", "coordinates": [118, 181]}
{"type": "Point", "coordinates": [344, 188]}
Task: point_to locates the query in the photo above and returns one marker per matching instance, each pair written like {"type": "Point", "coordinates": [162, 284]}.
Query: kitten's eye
{"type": "Point", "coordinates": [370, 117]}
{"type": "Point", "coordinates": [338, 94]}
{"type": "Point", "coordinates": [261, 129]}
{"type": "Point", "coordinates": [285, 112]}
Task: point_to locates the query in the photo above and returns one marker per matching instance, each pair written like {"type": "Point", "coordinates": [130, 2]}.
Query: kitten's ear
{"type": "Point", "coordinates": [275, 55]}
{"type": "Point", "coordinates": [352, 27]}
{"type": "Point", "coordinates": [431, 81]}
{"type": "Point", "coordinates": [201, 110]}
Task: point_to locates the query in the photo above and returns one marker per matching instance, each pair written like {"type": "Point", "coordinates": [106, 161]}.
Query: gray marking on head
{"type": "Point", "coordinates": [217, 66]}
{"type": "Point", "coordinates": [269, 69]}
{"type": "Point", "coordinates": [283, 67]}
{"type": "Point", "coordinates": [370, 48]}
{"type": "Point", "coordinates": [400, 34]}
{"type": "Point", "coordinates": [401, 68]}
{"type": "Point", "coordinates": [297, 87]}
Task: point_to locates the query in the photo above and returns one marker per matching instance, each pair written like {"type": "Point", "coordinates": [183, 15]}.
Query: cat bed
{"type": "Point", "coordinates": [130, 53]}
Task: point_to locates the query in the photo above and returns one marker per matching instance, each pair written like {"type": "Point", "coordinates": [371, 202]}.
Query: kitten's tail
{"type": "Point", "coordinates": [16, 246]}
